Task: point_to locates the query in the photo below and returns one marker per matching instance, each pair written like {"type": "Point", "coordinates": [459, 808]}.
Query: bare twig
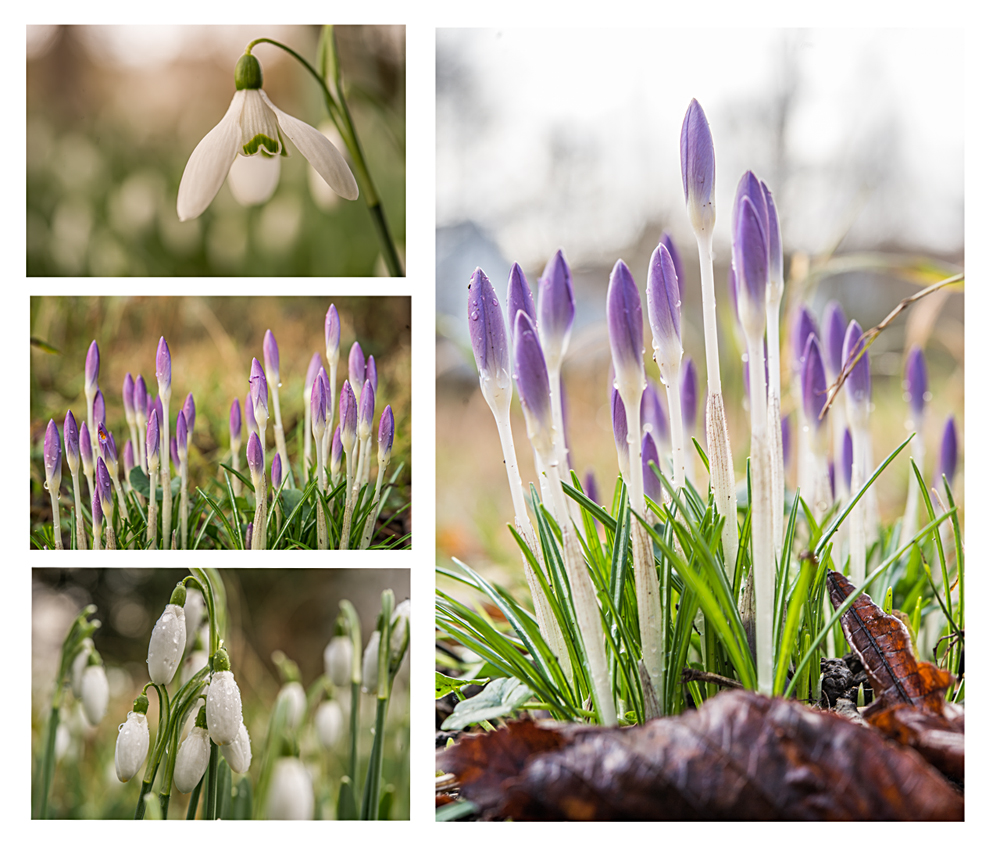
{"type": "Point", "coordinates": [866, 339]}
{"type": "Point", "coordinates": [692, 675]}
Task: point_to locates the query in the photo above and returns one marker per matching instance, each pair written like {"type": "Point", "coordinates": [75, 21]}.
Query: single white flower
{"type": "Point", "coordinates": [192, 760]}
{"type": "Point", "coordinates": [399, 626]}
{"type": "Point", "coordinates": [194, 609]}
{"type": "Point", "coordinates": [223, 708]}
{"type": "Point", "coordinates": [80, 662]}
{"type": "Point", "coordinates": [132, 745]}
{"type": "Point", "coordinates": [94, 692]}
{"type": "Point", "coordinates": [166, 644]}
{"type": "Point", "coordinates": [253, 126]}
{"type": "Point", "coordinates": [295, 702]}
{"type": "Point", "coordinates": [329, 723]}
{"type": "Point", "coordinates": [238, 754]}
{"type": "Point", "coordinates": [337, 660]}
{"type": "Point", "coordinates": [369, 664]}
{"type": "Point", "coordinates": [290, 797]}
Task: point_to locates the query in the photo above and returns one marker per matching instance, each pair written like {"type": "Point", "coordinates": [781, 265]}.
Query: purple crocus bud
{"type": "Point", "coordinates": [675, 256]}
{"type": "Point", "coordinates": [489, 340]}
{"type": "Point", "coordinates": [276, 471]}
{"type": "Point", "coordinates": [689, 397]}
{"type": "Point", "coordinates": [189, 413]}
{"type": "Point", "coordinates": [271, 355]}
{"type": "Point", "coordinates": [163, 366]}
{"type": "Point", "coordinates": [348, 416]}
{"type": "Point", "coordinates": [698, 168]}
{"type": "Point", "coordinates": [100, 414]}
{"type": "Point", "coordinates": [72, 437]}
{"type": "Point", "coordinates": [813, 383]}
{"type": "Point", "coordinates": [86, 452]}
{"type": "Point", "coordinates": [106, 442]}
{"type": "Point", "coordinates": [356, 368]}
{"type": "Point", "coordinates": [258, 391]}
{"type": "Point", "coordinates": [590, 486]}
{"type": "Point", "coordinates": [235, 422]}
{"type": "Point", "coordinates": [915, 382]}
{"type": "Point", "coordinates": [652, 416]}
{"type": "Point", "coordinates": [128, 393]}
{"type": "Point", "coordinates": [859, 382]}
{"type": "Point", "coordinates": [805, 324]}
{"type": "Point", "coordinates": [332, 334]}
{"type": "Point", "coordinates": [92, 369]}
{"type": "Point", "coordinates": [103, 484]}
{"type": "Point", "coordinates": [519, 296]}
{"type": "Point", "coordinates": [371, 373]}
{"type": "Point", "coordinates": [749, 187]}
{"type": "Point", "coordinates": [663, 299]}
{"type": "Point", "coordinates": [834, 329]}
{"type": "Point", "coordinates": [847, 457]}
{"type": "Point", "coordinates": [140, 398]}
{"type": "Point", "coordinates": [248, 412]}
{"type": "Point", "coordinates": [255, 459]}
{"type": "Point", "coordinates": [96, 510]}
{"type": "Point", "coordinates": [338, 447]}
{"type": "Point", "coordinates": [181, 431]}
{"type": "Point", "coordinates": [786, 438]}
{"type": "Point", "coordinates": [52, 456]}
{"type": "Point", "coordinates": [175, 457]}
{"type": "Point", "coordinates": [751, 263]}
{"type": "Point", "coordinates": [775, 255]}
{"type": "Point", "coordinates": [625, 333]}
{"type": "Point", "coordinates": [650, 483]}
{"type": "Point", "coordinates": [317, 401]}
{"type": "Point", "coordinates": [532, 379]}
{"type": "Point", "coordinates": [128, 458]}
{"type": "Point", "coordinates": [949, 450]}
{"type": "Point", "coordinates": [619, 426]}
{"type": "Point", "coordinates": [366, 410]}
{"type": "Point", "coordinates": [152, 443]}
{"type": "Point", "coordinates": [315, 364]}
{"type": "Point", "coordinates": [556, 308]}
{"type": "Point", "coordinates": [386, 434]}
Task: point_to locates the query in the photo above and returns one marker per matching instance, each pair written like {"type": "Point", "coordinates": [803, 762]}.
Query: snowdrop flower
{"type": "Point", "coordinates": [329, 723]}
{"type": "Point", "coordinates": [256, 131]}
{"type": "Point", "coordinates": [133, 741]}
{"type": "Point", "coordinates": [337, 660]}
{"type": "Point", "coordinates": [295, 700]}
{"type": "Point", "coordinates": [192, 759]}
{"type": "Point", "coordinates": [291, 794]}
{"type": "Point", "coordinates": [80, 663]}
{"type": "Point", "coordinates": [166, 644]}
{"type": "Point", "coordinates": [238, 754]}
{"type": "Point", "coordinates": [94, 692]}
{"type": "Point", "coordinates": [399, 635]}
{"type": "Point", "coordinates": [223, 707]}
{"type": "Point", "coordinates": [369, 664]}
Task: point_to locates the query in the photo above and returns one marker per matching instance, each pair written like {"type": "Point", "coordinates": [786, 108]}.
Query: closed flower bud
{"type": "Point", "coordinates": [399, 632]}
{"type": "Point", "coordinates": [223, 708]}
{"type": "Point", "coordinates": [192, 760]}
{"type": "Point", "coordinates": [294, 698]}
{"type": "Point", "coordinates": [94, 692]}
{"type": "Point", "coordinates": [369, 664]}
{"type": "Point", "coordinates": [329, 723]}
{"type": "Point", "coordinates": [238, 754]}
{"type": "Point", "coordinates": [132, 745]}
{"type": "Point", "coordinates": [80, 662]}
{"type": "Point", "coordinates": [291, 795]}
{"type": "Point", "coordinates": [166, 644]}
{"type": "Point", "coordinates": [337, 660]}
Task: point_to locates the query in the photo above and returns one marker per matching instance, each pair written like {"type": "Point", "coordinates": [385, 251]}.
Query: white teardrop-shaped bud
{"type": "Point", "coordinates": [399, 625]}
{"type": "Point", "coordinates": [223, 708]}
{"type": "Point", "coordinates": [337, 660]}
{"type": "Point", "coordinates": [166, 644]}
{"type": "Point", "coordinates": [237, 754]}
{"type": "Point", "coordinates": [132, 745]}
{"type": "Point", "coordinates": [291, 794]}
{"type": "Point", "coordinates": [294, 697]}
{"type": "Point", "coordinates": [369, 664]}
{"type": "Point", "coordinates": [94, 692]}
{"type": "Point", "coordinates": [194, 609]}
{"type": "Point", "coordinates": [192, 760]}
{"type": "Point", "coordinates": [79, 663]}
{"type": "Point", "coordinates": [329, 723]}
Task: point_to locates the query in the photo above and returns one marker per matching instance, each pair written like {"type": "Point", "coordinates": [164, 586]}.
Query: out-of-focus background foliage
{"type": "Point", "coordinates": [212, 343]}
{"type": "Point", "coordinates": [291, 610]}
{"type": "Point", "coordinates": [113, 113]}
{"type": "Point", "coordinates": [570, 139]}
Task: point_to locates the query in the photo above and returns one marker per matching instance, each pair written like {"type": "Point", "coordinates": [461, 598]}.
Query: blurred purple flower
{"type": "Point", "coordinates": [813, 383]}
{"type": "Point", "coordinates": [128, 458]}
{"type": "Point", "coordinates": [650, 483]}
{"type": "Point", "coordinates": [519, 296]}
{"type": "Point", "coordinates": [652, 416]}
{"type": "Point", "coordinates": [624, 310]}
{"type": "Point", "coordinates": [152, 441]}
{"type": "Point", "coordinates": [100, 414]}
{"type": "Point", "coordinates": [181, 432]}
{"type": "Point", "coordinates": [834, 329]}
{"type": "Point", "coordinates": [140, 399]}
{"type": "Point", "coordinates": [847, 458]}
{"type": "Point", "coordinates": [805, 324]}
{"type": "Point", "coordinates": [248, 413]}
{"type": "Point", "coordinates": [235, 421]}
{"type": "Point", "coordinates": [915, 381]}
{"type": "Point", "coordinates": [689, 398]}
{"type": "Point", "coordinates": [92, 368]}
{"type": "Point", "coordinates": [590, 486]}
{"type": "Point", "coordinates": [189, 414]}
{"type": "Point", "coordinates": [128, 394]}
{"type": "Point", "coordinates": [271, 357]}
{"type": "Point", "coordinates": [331, 329]}
{"type": "Point", "coordinates": [775, 255]}
{"type": "Point", "coordinates": [859, 382]}
{"type": "Point", "coordinates": [949, 450]}
{"type": "Point", "coordinates": [106, 443]}
{"type": "Point", "coordinates": [356, 368]}
{"type": "Point", "coordinates": [86, 452]}
{"type": "Point", "coordinates": [276, 471]}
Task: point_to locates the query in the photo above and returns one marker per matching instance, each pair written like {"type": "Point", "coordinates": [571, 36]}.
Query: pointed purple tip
{"type": "Point", "coordinates": [519, 296]}
{"type": "Point", "coordinates": [915, 381]}
{"type": "Point", "coordinates": [92, 368]}
{"type": "Point", "coordinates": [271, 357]}
{"type": "Point", "coordinates": [486, 329]}
{"type": "Point", "coordinates": [386, 433]}
{"type": "Point", "coordinates": [698, 167]}
{"type": "Point", "coordinates": [949, 450]}
{"type": "Point", "coordinates": [163, 364]}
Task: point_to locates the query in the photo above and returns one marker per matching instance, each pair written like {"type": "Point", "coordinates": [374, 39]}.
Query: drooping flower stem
{"type": "Point", "coordinates": [336, 105]}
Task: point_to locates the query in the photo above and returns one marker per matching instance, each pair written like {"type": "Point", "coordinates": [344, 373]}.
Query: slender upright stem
{"type": "Point", "coordinates": [366, 536]}
{"type": "Point", "coordinates": [258, 541]}
{"type": "Point", "coordinates": [917, 454]}
{"type": "Point", "coordinates": [165, 470]}
{"type": "Point", "coordinates": [345, 532]}
{"type": "Point", "coordinates": [184, 503]}
{"type": "Point", "coordinates": [56, 529]}
{"type": "Point", "coordinates": [151, 521]}
{"type": "Point", "coordinates": [775, 444]}
{"type": "Point", "coordinates": [81, 532]}
{"type": "Point", "coordinates": [279, 439]}
{"type": "Point", "coordinates": [355, 768]}
{"type": "Point", "coordinates": [49, 760]}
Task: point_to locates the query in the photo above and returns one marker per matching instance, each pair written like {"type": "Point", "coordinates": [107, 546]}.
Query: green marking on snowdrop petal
{"type": "Point", "coordinates": [270, 145]}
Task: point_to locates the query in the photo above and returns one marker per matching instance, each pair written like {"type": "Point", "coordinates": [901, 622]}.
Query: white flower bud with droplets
{"type": "Point", "coordinates": [192, 760]}
{"type": "Point", "coordinates": [290, 797]}
{"type": "Point", "coordinates": [238, 754]}
{"type": "Point", "coordinates": [223, 708]}
{"type": "Point", "coordinates": [166, 644]}
{"type": "Point", "coordinates": [337, 660]}
{"type": "Point", "coordinates": [132, 745]}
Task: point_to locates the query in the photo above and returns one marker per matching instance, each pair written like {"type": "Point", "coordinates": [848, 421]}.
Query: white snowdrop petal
{"type": "Point", "coordinates": [223, 708]}
{"type": "Point", "coordinates": [369, 664]}
{"type": "Point", "coordinates": [132, 746]}
{"type": "Point", "coordinates": [324, 157]}
{"type": "Point", "coordinates": [290, 797]}
{"type": "Point", "coordinates": [209, 164]}
{"type": "Point", "coordinates": [294, 697]}
{"type": "Point", "coordinates": [94, 691]}
{"type": "Point", "coordinates": [253, 179]}
{"type": "Point", "coordinates": [237, 753]}
{"type": "Point", "coordinates": [192, 760]}
{"type": "Point", "coordinates": [329, 723]}
{"type": "Point", "coordinates": [166, 644]}
{"type": "Point", "coordinates": [337, 660]}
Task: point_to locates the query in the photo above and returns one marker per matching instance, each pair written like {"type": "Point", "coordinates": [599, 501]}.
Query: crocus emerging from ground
{"type": "Point", "coordinates": [72, 437]}
{"type": "Point", "coordinates": [52, 454]}
{"type": "Point", "coordinates": [255, 461]}
{"type": "Point", "coordinates": [163, 384]}
{"type": "Point", "coordinates": [271, 361]}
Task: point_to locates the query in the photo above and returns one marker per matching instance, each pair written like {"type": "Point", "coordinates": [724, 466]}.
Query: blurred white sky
{"type": "Point", "coordinates": [570, 137]}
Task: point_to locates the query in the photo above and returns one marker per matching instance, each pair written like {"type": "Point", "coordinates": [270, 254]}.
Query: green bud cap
{"type": "Point", "coordinates": [179, 595]}
{"type": "Point", "coordinates": [94, 658]}
{"type": "Point", "coordinates": [141, 704]}
{"type": "Point", "coordinates": [248, 73]}
{"type": "Point", "coordinates": [221, 660]}
{"type": "Point", "coordinates": [201, 720]}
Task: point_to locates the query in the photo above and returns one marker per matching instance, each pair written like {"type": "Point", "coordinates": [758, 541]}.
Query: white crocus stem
{"type": "Point", "coordinates": [97, 534]}
{"type": "Point", "coordinates": [279, 432]}
{"type": "Point", "coordinates": [184, 502]}
{"type": "Point", "coordinates": [165, 467]}
{"type": "Point", "coordinates": [858, 420]}
{"type": "Point", "coordinates": [81, 531]}
{"type": "Point", "coordinates": [647, 585]}
{"type": "Point", "coordinates": [56, 526]}
{"type": "Point", "coordinates": [562, 452]}
{"type": "Point", "coordinates": [258, 541]}
{"type": "Point", "coordinates": [720, 453]}
{"type": "Point", "coordinates": [761, 526]}
{"type": "Point", "coordinates": [366, 535]}
{"type": "Point", "coordinates": [670, 375]}
{"type": "Point", "coordinates": [345, 533]}
{"type": "Point", "coordinates": [917, 453]}
{"type": "Point", "coordinates": [323, 536]}
{"type": "Point", "coordinates": [151, 521]}
{"type": "Point", "coordinates": [234, 462]}
{"type": "Point", "coordinates": [775, 444]}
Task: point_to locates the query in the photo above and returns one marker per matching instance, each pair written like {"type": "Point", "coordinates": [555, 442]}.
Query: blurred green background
{"type": "Point", "coordinates": [212, 343]}
{"type": "Point", "coordinates": [291, 610]}
{"type": "Point", "coordinates": [113, 113]}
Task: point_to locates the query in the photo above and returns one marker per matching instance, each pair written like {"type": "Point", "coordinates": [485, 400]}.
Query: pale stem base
{"type": "Point", "coordinates": [81, 531]}
{"type": "Point", "coordinates": [910, 513]}
{"type": "Point", "coordinates": [56, 528]}
{"type": "Point", "coordinates": [165, 470]}
{"type": "Point", "coordinates": [723, 480]}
